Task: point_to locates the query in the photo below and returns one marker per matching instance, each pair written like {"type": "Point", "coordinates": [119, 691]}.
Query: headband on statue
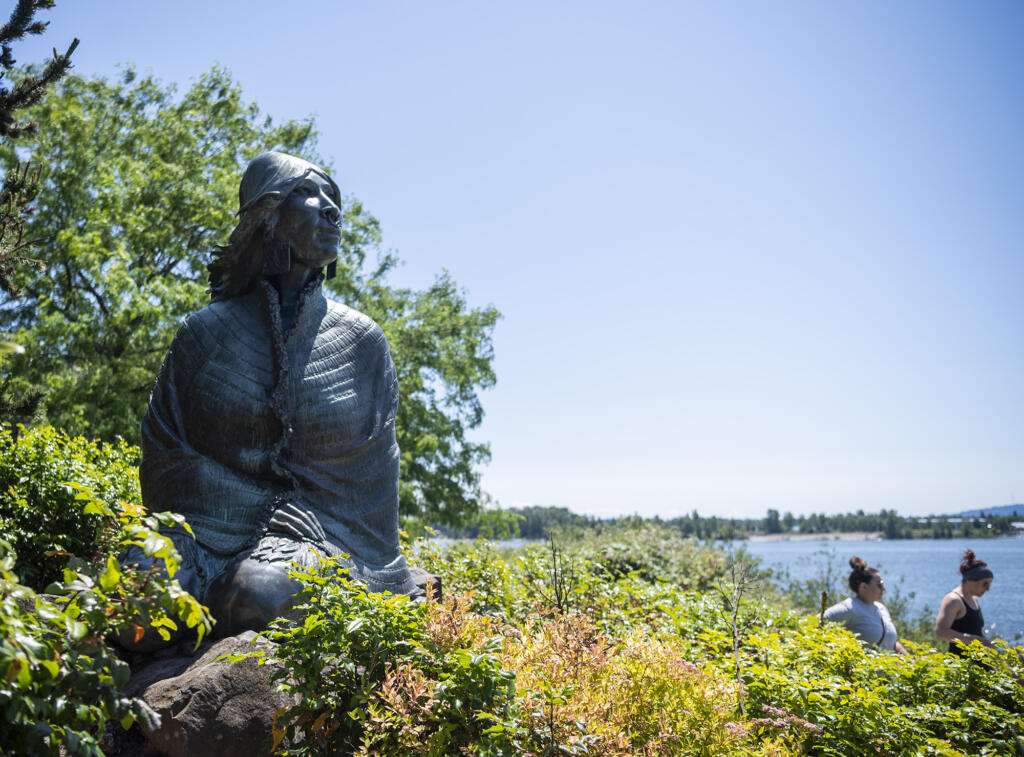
{"type": "Point", "coordinates": [267, 181]}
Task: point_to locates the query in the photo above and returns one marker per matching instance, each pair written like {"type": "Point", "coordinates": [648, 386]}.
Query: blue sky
{"type": "Point", "coordinates": [748, 254]}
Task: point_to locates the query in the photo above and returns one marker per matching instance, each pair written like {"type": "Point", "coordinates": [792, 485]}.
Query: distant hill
{"type": "Point", "coordinates": [1001, 510]}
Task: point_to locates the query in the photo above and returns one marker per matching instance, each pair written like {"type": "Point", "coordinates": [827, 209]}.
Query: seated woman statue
{"type": "Point", "coordinates": [271, 426]}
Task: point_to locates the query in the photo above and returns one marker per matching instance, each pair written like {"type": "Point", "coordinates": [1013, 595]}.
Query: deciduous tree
{"type": "Point", "coordinates": [139, 184]}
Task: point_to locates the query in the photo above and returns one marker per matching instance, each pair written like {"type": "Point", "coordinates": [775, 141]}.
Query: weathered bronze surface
{"type": "Point", "coordinates": [271, 425]}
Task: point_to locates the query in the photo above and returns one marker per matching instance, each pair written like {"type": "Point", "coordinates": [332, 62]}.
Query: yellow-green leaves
{"type": "Point", "coordinates": [164, 626]}
{"type": "Point", "coordinates": [111, 575]}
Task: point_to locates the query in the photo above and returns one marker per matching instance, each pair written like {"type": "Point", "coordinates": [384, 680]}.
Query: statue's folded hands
{"type": "Point", "coordinates": [298, 522]}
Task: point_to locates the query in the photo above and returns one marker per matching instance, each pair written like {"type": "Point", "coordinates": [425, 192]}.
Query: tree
{"type": "Point", "coordinates": [139, 185]}
{"type": "Point", "coordinates": [772, 524]}
{"type": "Point", "coordinates": [442, 351]}
{"type": "Point", "coordinates": [21, 183]}
{"type": "Point", "coordinates": [891, 524]}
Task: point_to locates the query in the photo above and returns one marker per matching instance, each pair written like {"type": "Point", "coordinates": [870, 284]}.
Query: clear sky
{"type": "Point", "coordinates": [748, 254]}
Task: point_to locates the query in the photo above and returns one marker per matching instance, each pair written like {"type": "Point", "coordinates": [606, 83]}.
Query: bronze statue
{"type": "Point", "coordinates": [271, 425]}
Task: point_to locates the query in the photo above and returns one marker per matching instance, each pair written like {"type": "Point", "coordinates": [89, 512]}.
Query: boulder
{"type": "Point", "coordinates": [428, 583]}
{"type": "Point", "coordinates": [207, 707]}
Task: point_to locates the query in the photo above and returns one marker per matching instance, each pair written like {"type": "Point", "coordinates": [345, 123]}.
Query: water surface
{"type": "Point", "coordinates": [926, 568]}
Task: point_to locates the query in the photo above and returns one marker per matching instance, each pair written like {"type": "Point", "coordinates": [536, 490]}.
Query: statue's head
{"type": "Point", "coordinates": [289, 212]}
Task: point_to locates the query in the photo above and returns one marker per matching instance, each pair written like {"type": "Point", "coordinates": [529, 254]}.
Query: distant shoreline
{"type": "Point", "coordinates": [859, 536]}
{"type": "Point", "coordinates": [837, 536]}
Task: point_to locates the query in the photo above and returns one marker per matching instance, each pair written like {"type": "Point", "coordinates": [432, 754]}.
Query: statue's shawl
{"type": "Point", "coordinates": [243, 417]}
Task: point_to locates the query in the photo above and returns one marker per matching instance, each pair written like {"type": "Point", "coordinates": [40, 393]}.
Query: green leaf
{"type": "Point", "coordinates": [24, 676]}
{"type": "Point", "coordinates": [164, 622]}
{"type": "Point", "coordinates": [154, 544]}
{"type": "Point", "coordinates": [94, 507]}
{"type": "Point", "coordinates": [111, 575]}
{"type": "Point", "coordinates": [121, 672]}
{"type": "Point", "coordinates": [76, 629]}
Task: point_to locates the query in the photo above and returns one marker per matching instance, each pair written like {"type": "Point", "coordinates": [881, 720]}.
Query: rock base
{"type": "Point", "coordinates": [206, 707]}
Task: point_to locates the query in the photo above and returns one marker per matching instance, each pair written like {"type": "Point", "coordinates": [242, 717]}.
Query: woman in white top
{"type": "Point", "coordinates": [863, 614]}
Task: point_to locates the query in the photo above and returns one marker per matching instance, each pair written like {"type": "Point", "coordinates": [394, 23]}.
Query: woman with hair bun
{"type": "Point", "coordinates": [960, 621]}
{"type": "Point", "coordinates": [863, 614]}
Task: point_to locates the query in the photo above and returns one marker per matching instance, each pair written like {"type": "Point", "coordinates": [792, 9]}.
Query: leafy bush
{"type": "Point", "coordinates": [41, 516]}
{"type": "Point", "coordinates": [805, 687]}
{"type": "Point", "coordinates": [61, 681]}
{"type": "Point", "coordinates": [585, 692]}
{"type": "Point", "coordinates": [869, 702]}
{"type": "Point", "coordinates": [546, 651]}
{"type": "Point", "coordinates": [379, 674]}
{"type": "Point", "coordinates": [72, 506]}
{"type": "Point", "coordinates": [653, 552]}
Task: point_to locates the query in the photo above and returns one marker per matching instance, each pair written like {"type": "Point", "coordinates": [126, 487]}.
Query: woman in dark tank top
{"type": "Point", "coordinates": [960, 620]}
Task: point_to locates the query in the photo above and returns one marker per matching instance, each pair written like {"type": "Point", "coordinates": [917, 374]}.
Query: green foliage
{"type": "Point", "coordinates": [618, 662]}
{"type": "Point", "coordinates": [653, 552]}
{"type": "Point", "coordinates": [604, 662]}
{"type": "Point", "coordinates": [442, 351]}
{"type": "Point", "coordinates": [138, 186]}
{"type": "Point", "coordinates": [21, 182]}
{"type": "Point", "coordinates": [866, 702]}
{"type": "Point", "coordinates": [41, 516]}
{"type": "Point", "coordinates": [534, 522]}
{"type": "Point", "coordinates": [539, 522]}
{"type": "Point", "coordinates": [805, 687]}
{"type": "Point", "coordinates": [378, 674]}
{"type": "Point", "coordinates": [62, 683]}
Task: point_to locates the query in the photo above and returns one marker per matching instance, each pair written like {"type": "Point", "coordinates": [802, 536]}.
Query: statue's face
{"type": "Point", "coordinates": [311, 222]}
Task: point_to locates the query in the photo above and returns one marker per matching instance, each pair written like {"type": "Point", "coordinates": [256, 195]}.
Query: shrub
{"type": "Point", "coordinates": [379, 674]}
{"type": "Point", "coordinates": [805, 686]}
{"type": "Point", "coordinates": [41, 516]}
{"type": "Point", "coordinates": [543, 651]}
{"type": "Point", "coordinates": [868, 702]}
{"type": "Point", "coordinates": [635, 695]}
{"type": "Point", "coordinates": [653, 552]}
{"type": "Point", "coordinates": [62, 683]}
{"type": "Point", "coordinates": [68, 508]}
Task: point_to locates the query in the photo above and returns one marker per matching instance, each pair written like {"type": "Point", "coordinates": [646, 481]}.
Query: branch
{"type": "Point", "coordinates": [29, 91]}
{"type": "Point", "coordinates": [88, 287]}
{"type": "Point", "coordinates": [21, 23]}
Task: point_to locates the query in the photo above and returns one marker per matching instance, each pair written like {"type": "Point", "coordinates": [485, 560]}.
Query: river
{"type": "Point", "coordinates": [924, 568]}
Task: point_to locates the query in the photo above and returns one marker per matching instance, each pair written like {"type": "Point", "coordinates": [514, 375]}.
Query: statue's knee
{"type": "Point", "coordinates": [248, 595]}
